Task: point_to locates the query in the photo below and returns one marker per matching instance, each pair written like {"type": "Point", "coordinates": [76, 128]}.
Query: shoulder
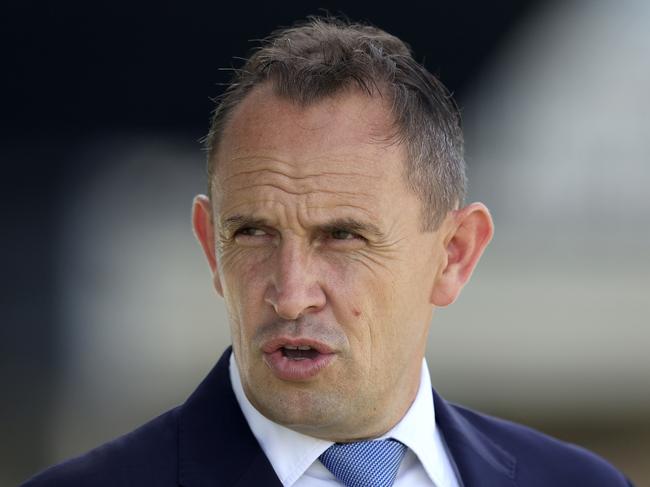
{"type": "Point", "coordinates": [148, 454]}
{"type": "Point", "coordinates": [539, 456]}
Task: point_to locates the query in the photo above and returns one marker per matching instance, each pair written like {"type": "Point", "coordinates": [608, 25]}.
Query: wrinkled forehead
{"type": "Point", "coordinates": [336, 132]}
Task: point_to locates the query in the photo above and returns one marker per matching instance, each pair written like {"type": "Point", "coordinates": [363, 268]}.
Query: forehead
{"type": "Point", "coordinates": [350, 120]}
{"type": "Point", "coordinates": [342, 147]}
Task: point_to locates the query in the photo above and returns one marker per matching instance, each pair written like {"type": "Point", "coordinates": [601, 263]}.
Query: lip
{"type": "Point", "coordinates": [292, 370]}
{"type": "Point", "coordinates": [278, 343]}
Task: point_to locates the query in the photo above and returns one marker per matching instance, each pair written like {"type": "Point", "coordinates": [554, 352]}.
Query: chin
{"type": "Point", "coordinates": [300, 409]}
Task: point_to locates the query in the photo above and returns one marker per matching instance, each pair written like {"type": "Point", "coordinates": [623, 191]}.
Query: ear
{"type": "Point", "coordinates": [470, 230]}
{"type": "Point", "coordinates": [203, 227]}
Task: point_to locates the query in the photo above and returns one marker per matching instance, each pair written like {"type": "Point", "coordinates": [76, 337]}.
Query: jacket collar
{"type": "Point", "coordinates": [216, 446]}
{"type": "Point", "coordinates": [479, 460]}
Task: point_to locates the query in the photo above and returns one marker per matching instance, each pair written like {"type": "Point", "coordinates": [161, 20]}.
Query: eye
{"type": "Point", "coordinates": [340, 234]}
{"type": "Point", "coordinates": [342, 239]}
{"type": "Point", "coordinates": [251, 232]}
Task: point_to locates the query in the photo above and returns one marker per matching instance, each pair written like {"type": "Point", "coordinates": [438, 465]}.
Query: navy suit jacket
{"type": "Point", "coordinates": [207, 442]}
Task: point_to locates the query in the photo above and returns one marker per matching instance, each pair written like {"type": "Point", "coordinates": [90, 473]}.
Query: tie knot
{"type": "Point", "coordinates": [365, 463]}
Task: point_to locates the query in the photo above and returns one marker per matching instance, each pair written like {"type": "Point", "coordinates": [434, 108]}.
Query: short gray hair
{"type": "Point", "coordinates": [323, 56]}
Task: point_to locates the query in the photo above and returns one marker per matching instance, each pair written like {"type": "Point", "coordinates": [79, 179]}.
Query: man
{"type": "Point", "coordinates": [334, 225]}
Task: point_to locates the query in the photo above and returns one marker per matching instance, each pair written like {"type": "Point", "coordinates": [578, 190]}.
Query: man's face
{"type": "Point", "coordinates": [321, 260]}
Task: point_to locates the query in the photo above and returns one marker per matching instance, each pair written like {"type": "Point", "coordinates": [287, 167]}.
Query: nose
{"type": "Point", "coordinates": [294, 288]}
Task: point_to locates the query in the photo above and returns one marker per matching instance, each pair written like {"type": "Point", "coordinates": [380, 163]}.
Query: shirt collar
{"type": "Point", "coordinates": [418, 431]}
{"type": "Point", "coordinates": [292, 453]}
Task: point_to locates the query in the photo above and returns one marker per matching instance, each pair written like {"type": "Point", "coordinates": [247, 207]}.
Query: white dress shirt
{"type": "Point", "coordinates": [294, 456]}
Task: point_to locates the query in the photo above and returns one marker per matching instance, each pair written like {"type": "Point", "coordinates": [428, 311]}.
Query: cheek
{"type": "Point", "coordinates": [366, 299]}
{"type": "Point", "coordinates": [243, 281]}
{"type": "Point", "coordinates": [390, 306]}
{"type": "Point", "coordinates": [348, 286]}
{"type": "Point", "coordinates": [243, 268]}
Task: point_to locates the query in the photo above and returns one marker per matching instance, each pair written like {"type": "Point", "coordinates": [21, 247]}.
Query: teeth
{"type": "Point", "coordinates": [289, 347]}
{"type": "Point", "coordinates": [300, 347]}
{"type": "Point", "coordinates": [304, 347]}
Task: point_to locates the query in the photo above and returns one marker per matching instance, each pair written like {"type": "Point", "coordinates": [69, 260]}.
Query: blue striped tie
{"type": "Point", "coordinates": [364, 463]}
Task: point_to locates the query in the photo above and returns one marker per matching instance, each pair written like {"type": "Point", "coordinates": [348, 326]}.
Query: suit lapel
{"type": "Point", "coordinates": [216, 446]}
{"type": "Point", "coordinates": [479, 460]}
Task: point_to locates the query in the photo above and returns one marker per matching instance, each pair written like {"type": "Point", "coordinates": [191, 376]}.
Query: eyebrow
{"type": "Point", "coordinates": [350, 224]}
{"type": "Point", "coordinates": [235, 222]}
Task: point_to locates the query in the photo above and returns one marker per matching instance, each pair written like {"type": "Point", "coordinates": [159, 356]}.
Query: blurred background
{"type": "Point", "coordinates": [108, 316]}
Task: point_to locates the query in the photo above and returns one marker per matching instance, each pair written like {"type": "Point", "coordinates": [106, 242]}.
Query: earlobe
{"type": "Point", "coordinates": [203, 227]}
{"type": "Point", "coordinates": [471, 231]}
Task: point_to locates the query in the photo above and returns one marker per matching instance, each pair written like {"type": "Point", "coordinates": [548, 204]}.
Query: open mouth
{"type": "Point", "coordinates": [302, 352]}
{"type": "Point", "coordinates": [297, 359]}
